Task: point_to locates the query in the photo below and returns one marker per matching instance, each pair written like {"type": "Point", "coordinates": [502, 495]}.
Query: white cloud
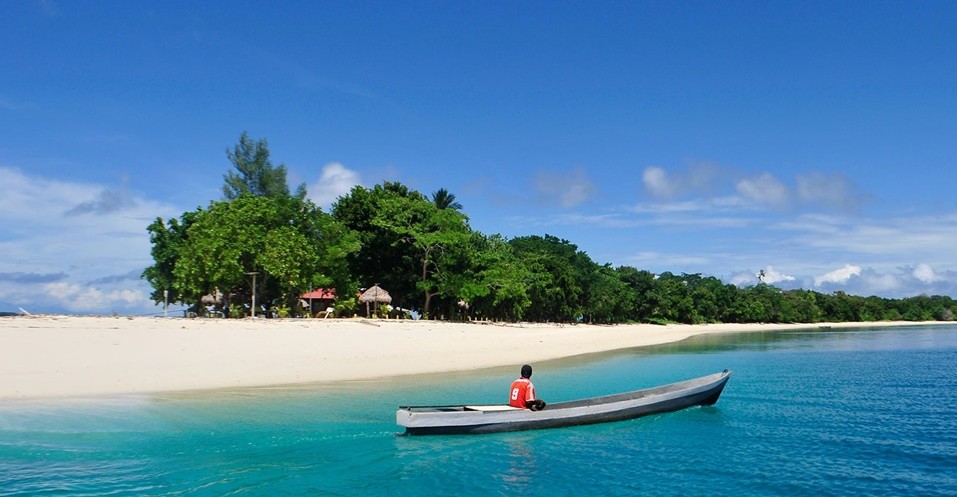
{"type": "Point", "coordinates": [770, 276]}
{"type": "Point", "coordinates": [765, 190]}
{"type": "Point", "coordinates": [829, 191]}
{"type": "Point", "coordinates": [38, 201]}
{"type": "Point", "coordinates": [879, 283]}
{"type": "Point", "coordinates": [808, 244]}
{"type": "Point", "coordinates": [74, 238]}
{"type": "Point", "coordinates": [657, 183]}
{"type": "Point", "coordinates": [898, 282]}
{"type": "Point", "coordinates": [734, 232]}
{"type": "Point", "coordinates": [82, 298]}
{"type": "Point", "coordinates": [838, 275]}
{"type": "Point", "coordinates": [568, 190]}
{"type": "Point", "coordinates": [925, 273]}
{"type": "Point", "coordinates": [929, 238]}
{"type": "Point", "coordinates": [743, 278]}
{"type": "Point", "coordinates": [698, 178]}
{"type": "Point", "coordinates": [334, 181]}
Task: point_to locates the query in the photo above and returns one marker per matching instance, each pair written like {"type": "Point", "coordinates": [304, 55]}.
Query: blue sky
{"type": "Point", "coordinates": [814, 141]}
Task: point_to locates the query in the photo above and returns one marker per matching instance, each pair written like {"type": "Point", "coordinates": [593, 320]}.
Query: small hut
{"type": "Point", "coordinates": [320, 298]}
{"type": "Point", "coordinates": [376, 296]}
{"type": "Point", "coordinates": [213, 303]}
{"type": "Point", "coordinates": [215, 298]}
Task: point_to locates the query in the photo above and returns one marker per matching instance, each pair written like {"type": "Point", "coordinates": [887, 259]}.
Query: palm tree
{"type": "Point", "coordinates": [445, 200]}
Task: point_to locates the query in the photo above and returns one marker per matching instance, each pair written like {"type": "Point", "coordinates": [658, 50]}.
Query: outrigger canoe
{"type": "Point", "coordinates": [469, 419]}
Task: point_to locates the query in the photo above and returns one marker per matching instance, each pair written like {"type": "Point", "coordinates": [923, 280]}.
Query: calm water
{"type": "Point", "coordinates": [866, 412]}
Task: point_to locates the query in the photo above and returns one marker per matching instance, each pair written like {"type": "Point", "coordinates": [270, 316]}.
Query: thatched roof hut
{"type": "Point", "coordinates": [375, 295]}
{"type": "Point", "coordinates": [215, 298]}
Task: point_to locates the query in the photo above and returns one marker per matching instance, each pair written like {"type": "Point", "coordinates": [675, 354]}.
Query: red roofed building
{"type": "Point", "coordinates": [319, 300]}
{"type": "Point", "coordinates": [320, 294]}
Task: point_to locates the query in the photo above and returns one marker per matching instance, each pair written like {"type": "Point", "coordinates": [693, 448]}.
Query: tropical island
{"type": "Point", "coordinates": [264, 243]}
{"type": "Point", "coordinates": [483, 300]}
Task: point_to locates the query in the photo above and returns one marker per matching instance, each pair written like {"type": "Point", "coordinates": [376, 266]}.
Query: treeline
{"type": "Point", "coordinates": [424, 253]}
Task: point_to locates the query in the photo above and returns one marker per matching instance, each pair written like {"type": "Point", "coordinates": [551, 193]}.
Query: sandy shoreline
{"type": "Point", "coordinates": [69, 356]}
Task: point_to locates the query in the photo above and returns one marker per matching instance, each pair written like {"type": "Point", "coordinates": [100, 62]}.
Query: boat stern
{"type": "Point", "coordinates": [403, 417]}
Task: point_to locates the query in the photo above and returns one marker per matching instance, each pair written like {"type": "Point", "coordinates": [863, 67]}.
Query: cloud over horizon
{"type": "Point", "coordinates": [840, 275]}
{"type": "Point", "coordinates": [814, 190]}
{"type": "Point", "coordinates": [334, 181]}
{"type": "Point", "coordinates": [64, 243]}
{"type": "Point", "coordinates": [102, 229]}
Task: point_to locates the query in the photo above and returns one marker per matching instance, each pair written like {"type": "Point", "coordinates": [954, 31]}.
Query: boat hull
{"type": "Point", "coordinates": [444, 420]}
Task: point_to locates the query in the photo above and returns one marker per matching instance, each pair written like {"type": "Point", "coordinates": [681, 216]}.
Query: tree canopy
{"type": "Point", "coordinates": [254, 172]}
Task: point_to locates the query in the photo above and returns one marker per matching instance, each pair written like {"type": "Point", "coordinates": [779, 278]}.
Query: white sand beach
{"type": "Point", "coordinates": [69, 356]}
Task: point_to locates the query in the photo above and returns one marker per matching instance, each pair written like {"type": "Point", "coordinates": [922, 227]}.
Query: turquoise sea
{"type": "Point", "coordinates": [815, 413]}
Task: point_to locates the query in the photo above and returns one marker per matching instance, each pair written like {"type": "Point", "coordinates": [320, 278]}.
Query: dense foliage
{"type": "Point", "coordinates": [424, 252]}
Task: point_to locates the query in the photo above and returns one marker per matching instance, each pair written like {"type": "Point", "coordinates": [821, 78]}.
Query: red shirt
{"type": "Point", "coordinates": [522, 391]}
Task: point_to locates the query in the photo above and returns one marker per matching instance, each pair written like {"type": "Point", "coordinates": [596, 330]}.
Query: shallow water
{"type": "Point", "coordinates": [863, 412]}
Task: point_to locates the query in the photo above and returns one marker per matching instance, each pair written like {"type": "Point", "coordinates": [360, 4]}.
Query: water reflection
{"type": "Point", "coordinates": [522, 466]}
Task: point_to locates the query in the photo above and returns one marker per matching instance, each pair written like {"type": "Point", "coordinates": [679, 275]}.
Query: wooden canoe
{"type": "Point", "coordinates": [468, 419]}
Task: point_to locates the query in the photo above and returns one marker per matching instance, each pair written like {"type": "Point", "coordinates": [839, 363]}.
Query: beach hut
{"type": "Point", "coordinates": [321, 298]}
{"type": "Point", "coordinates": [213, 304]}
{"type": "Point", "coordinates": [215, 298]}
{"type": "Point", "coordinates": [376, 296]}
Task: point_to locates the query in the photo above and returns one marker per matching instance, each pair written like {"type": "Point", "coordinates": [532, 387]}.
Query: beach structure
{"type": "Point", "coordinates": [213, 303]}
{"type": "Point", "coordinates": [375, 296]}
{"type": "Point", "coordinates": [215, 298]}
{"type": "Point", "coordinates": [319, 301]}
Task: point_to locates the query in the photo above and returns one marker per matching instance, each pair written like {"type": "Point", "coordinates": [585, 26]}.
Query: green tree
{"type": "Point", "coordinates": [259, 228]}
{"type": "Point", "coordinates": [711, 297]}
{"type": "Point", "coordinates": [641, 283]}
{"type": "Point", "coordinates": [167, 239]}
{"type": "Point", "coordinates": [445, 200]}
{"type": "Point", "coordinates": [255, 174]}
{"type": "Point", "coordinates": [494, 283]}
{"type": "Point", "coordinates": [288, 241]}
{"type": "Point", "coordinates": [382, 258]}
{"type": "Point", "coordinates": [919, 308]}
{"type": "Point", "coordinates": [231, 239]}
{"type": "Point", "coordinates": [558, 277]}
{"type": "Point", "coordinates": [673, 301]}
{"type": "Point", "coordinates": [608, 298]}
{"type": "Point", "coordinates": [801, 307]}
{"type": "Point", "coordinates": [841, 307]}
{"type": "Point", "coordinates": [872, 308]}
{"type": "Point", "coordinates": [434, 235]}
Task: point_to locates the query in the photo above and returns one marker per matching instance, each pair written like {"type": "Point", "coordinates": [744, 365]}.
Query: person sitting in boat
{"type": "Point", "coordinates": [522, 393]}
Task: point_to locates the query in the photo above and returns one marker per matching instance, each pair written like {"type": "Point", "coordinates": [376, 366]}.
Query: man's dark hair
{"type": "Point", "coordinates": [526, 371]}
